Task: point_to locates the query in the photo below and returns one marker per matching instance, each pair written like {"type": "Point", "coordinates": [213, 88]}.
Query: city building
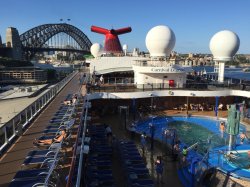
{"type": "Point", "coordinates": [22, 75]}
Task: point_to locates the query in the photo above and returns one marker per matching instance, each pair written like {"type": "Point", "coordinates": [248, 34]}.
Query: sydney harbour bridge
{"type": "Point", "coordinates": [47, 37]}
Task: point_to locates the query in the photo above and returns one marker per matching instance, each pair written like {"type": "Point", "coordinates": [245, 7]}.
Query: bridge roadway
{"type": "Point", "coordinates": [12, 160]}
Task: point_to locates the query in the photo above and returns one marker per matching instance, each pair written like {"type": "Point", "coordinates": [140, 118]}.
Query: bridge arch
{"type": "Point", "coordinates": [38, 36]}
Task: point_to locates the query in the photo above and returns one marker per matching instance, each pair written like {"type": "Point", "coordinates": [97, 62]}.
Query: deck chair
{"type": "Point", "coordinates": [24, 174]}
{"type": "Point", "coordinates": [55, 129]}
{"type": "Point", "coordinates": [139, 178]}
{"type": "Point", "coordinates": [54, 146]}
{"type": "Point", "coordinates": [32, 174]}
{"type": "Point", "coordinates": [191, 106]}
{"type": "Point", "coordinates": [27, 182]}
{"type": "Point", "coordinates": [184, 107]}
{"type": "Point", "coordinates": [38, 153]}
{"type": "Point", "coordinates": [34, 162]}
{"type": "Point", "coordinates": [138, 170]}
{"type": "Point", "coordinates": [46, 153]}
{"type": "Point", "coordinates": [60, 119]}
{"type": "Point", "coordinates": [143, 183]}
{"type": "Point", "coordinates": [200, 107]}
{"type": "Point", "coordinates": [220, 107]}
{"type": "Point", "coordinates": [67, 125]}
{"type": "Point", "coordinates": [51, 135]}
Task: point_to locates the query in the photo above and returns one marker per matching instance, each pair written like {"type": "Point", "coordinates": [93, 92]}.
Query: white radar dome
{"type": "Point", "coordinates": [125, 47]}
{"type": "Point", "coordinates": [224, 45]}
{"type": "Point", "coordinates": [160, 41]}
{"type": "Point", "coordinates": [96, 49]}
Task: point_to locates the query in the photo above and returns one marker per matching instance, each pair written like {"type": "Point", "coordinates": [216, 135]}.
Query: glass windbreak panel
{"type": "Point", "coordinates": [2, 137]}
{"type": "Point", "coordinates": [9, 130]}
{"type": "Point", "coordinates": [33, 109]}
{"type": "Point", "coordinates": [16, 121]}
{"type": "Point", "coordinates": [29, 113]}
{"type": "Point", "coordinates": [45, 98]}
{"type": "Point", "coordinates": [23, 118]}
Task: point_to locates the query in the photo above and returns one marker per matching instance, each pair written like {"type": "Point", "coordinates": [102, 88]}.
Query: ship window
{"type": "Point", "coordinates": [165, 77]}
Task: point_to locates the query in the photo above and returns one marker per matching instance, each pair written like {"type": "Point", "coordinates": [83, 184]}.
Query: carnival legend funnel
{"type": "Point", "coordinates": [112, 43]}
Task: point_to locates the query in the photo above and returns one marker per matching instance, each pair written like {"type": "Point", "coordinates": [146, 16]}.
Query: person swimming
{"type": "Point", "coordinates": [222, 126]}
{"type": "Point", "coordinates": [231, 156]}
{"type": "Point", "coordinates": [242, 137]}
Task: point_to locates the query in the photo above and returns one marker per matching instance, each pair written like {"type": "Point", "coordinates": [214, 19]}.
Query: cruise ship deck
{"type": "Point", "coordinates": [12, 160]}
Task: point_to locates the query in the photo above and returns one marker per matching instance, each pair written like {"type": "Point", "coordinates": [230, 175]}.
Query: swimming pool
{"type": "Point", "coordinates": [240, 159]}
{"type": "Point", "coordinates": [189, 130]}
{"type": "Point", "coordinates": [238, 166]}
{"type": "Point", "coordinates": [206, 132]}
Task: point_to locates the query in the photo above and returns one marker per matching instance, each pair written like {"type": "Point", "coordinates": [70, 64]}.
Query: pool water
{"type": "Point", "coordinates": [240, 160]}
{"type": "Point", "coordinates": [190, 133]}
{"type": "Point", "coordinates": [206, 132]}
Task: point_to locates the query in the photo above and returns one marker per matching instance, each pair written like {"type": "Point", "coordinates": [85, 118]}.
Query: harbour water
{"type": "Point", "coordinates": [230, 73]}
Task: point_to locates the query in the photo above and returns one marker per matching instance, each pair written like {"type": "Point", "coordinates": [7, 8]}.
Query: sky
{"type": "Point", "coordinates": [194, 22]}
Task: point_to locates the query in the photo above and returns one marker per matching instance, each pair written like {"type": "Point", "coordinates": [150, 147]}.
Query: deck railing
{"type": "Point", "coordinates": [77, 158]}
{"type": "Point", "coordinates": [130, 87]}
{"type": "Point", "coordinates": [15, 126]}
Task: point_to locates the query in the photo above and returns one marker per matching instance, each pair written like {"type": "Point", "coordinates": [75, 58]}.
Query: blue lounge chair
{"type": "Point", "coordinates": [27, 182]}
{"type": "Point", "coordinates": [36, 161]}
{"type": "Point", "coordinates": [38, 153]}
{"type": "Point", "coordinates": [31, 173]}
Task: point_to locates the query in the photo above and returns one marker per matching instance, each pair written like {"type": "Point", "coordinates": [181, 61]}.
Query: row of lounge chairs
{"type": "Point", "coordinates": [98, 170]}
{"type": "Point", "coordinates": [198, 107]}
{"type": "Point", "coordinates": [38, 168]}
{"type": "Point", "coordinates": [134, 168]}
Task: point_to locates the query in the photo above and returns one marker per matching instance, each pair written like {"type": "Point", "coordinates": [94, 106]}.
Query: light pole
{"type": "Point", "coordinates": [152, 102]}
{"type": "Point", "coordinates": [152, 132]}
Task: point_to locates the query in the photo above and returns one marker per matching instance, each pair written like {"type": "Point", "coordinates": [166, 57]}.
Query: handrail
{"type": "Point", "coordinates": [73, 161]}
{"type": "Point", "coordinates": [51, 169]}
{"type": "Point", "coordinates": [71, 76]}
{"type": "Point", "coordinates": [131, 87]}
{"type": "Point", "coordinates": [72, 165]}
{"type": "Point", "coordinates": [53, 90]}
{"type": "Point", "coordinates": [82, 148]}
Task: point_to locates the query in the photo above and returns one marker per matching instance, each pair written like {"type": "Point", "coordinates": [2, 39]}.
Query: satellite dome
{"type": "Point", "coordinates": [125, 47]}
{"type": "Point", "coordinates": [224, 45]}
{"type": "Point", "coordinates": [96, 49]}
{"type": "Point", "coordinates": [160, 41]}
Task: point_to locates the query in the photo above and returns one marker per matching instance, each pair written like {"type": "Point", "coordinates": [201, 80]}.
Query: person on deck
{"type": "Point", "coordinates": [62, 135]}
{"type": "Point", "coordinates": [108, 133]}
{"type": "Point", "coordinates": [152, 133]}
{"type": "Point", "coordinates": [101, 80]}
{"type": "Point", "coordinates": [176, 150]}
{"type": "Point", "coordinates": [184, 154]}
{"type": "Point", "coordinates": [143, 142]}
{"type": "Point", "coordinates": [159, 168]}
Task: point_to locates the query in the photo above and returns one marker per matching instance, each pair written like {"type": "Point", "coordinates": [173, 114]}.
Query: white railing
{"type": "Point", "coordinates": [15, 126]}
